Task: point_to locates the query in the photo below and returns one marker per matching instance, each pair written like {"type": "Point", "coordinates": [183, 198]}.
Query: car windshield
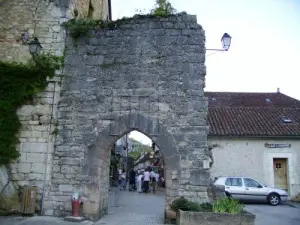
{"type": "Point", "coordinates": [260, 182]}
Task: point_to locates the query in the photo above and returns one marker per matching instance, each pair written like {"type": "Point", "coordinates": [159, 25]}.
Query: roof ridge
{"type": "Point", "coordinates": [253, 107]}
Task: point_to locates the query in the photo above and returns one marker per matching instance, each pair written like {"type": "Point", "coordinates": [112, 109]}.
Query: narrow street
{"type": "Point", "coordinates": [125, 207]}
{"type": "Point", "coordinates": [132, 208]}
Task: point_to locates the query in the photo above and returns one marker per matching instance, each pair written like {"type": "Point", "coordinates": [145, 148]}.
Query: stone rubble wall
{"type": "Point", "coordinates": [35, 18]}
{"type": "Point", "coordinates": [41, 19]}
{"type": "Point", "coordinates": [147, 74]}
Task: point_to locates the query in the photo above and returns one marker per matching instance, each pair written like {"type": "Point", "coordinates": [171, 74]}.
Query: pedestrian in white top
{"type": "Point", "coordinates": [157, 182]}
{"type": "Point", "coordinates": [139, 183]}
{"type": "Point", "coordinates": [146, 181]}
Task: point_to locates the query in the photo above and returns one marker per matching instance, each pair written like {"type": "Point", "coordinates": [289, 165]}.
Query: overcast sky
{"type": "Point", "coordinates": [265, 50]}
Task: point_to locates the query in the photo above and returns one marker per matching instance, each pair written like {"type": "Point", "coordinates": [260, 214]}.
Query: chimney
{"type": "Point", "coordinates": [278, 90]}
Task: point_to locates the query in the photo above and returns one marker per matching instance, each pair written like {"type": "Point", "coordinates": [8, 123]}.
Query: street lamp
{"type": "Point", "coordinates": [35, 47]}
{"type": "Point", "coordinates": [226, 41]}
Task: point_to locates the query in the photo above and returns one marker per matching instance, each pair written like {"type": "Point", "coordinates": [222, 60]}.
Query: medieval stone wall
{"type": "Point", "coordinates": [41, 19]}
{"type": "Point", "coordinates": [146, 75]}
{"type": "Point", "coordinates": [34, 18]}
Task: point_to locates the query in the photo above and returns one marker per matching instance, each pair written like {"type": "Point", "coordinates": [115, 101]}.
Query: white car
{"type": "Point", "coordinates": [248, 189]}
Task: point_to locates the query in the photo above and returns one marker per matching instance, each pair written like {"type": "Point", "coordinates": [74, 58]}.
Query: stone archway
{"type": "Point", "coordinates": [98, 156]}
{"type": "Point", "coordinates": [146, 74]}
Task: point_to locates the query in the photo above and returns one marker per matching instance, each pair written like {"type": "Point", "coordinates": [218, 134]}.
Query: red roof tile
{"type": "Point", "coordinates": [249, 114]}
{"type": "Point", "coordinates": [244, 99]}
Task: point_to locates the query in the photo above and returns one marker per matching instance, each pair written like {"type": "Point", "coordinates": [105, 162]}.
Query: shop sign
{"type": "Point", "coordinates": [277, 145]}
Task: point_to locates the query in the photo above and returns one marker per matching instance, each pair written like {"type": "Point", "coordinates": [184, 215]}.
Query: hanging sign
{"type": "Point", "coordinates": [277, 145]}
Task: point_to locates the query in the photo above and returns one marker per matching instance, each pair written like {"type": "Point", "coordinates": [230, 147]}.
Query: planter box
{"type": "Point", "coordinates": [210, 218]}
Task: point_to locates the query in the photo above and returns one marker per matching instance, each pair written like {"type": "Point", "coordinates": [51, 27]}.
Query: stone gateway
{"type": "Point", "coordinates": [145, 74]}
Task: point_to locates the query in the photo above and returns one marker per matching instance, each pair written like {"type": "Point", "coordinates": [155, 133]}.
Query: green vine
{"type": "Point", "coordinates": [79, 27]}
{"type": "Point", "coordinates": [19, 83]}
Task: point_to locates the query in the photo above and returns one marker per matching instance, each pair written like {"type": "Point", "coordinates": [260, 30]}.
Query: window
{"type": "Point", "coordinates": [277, 165]}
{"type": "Point", "coordinates": [236, 182]}
{"type": "Point", "coordinates": [251, 183]}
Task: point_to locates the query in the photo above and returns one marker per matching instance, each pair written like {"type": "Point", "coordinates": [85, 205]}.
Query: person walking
{"type": "Point", "coordinates": [131, 180]}
{"type": "Point", "coordinates": [157, 182]}
{"type": "Point", "coordinates": [153, 180]}
{"type": "Point", "coordinates": [123, 181]}
{"type": "Point", "coordinates": [139, 183]}
{"type": "Point", "coordinates": [146, 180]}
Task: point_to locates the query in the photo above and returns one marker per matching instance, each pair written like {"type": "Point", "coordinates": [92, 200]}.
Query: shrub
{"type": "Point", "coordinates": [221, 205]}
{"type": "Point", "coordinates": [227, 205]}
{"type": "Point", "coordinates": [186, 205]}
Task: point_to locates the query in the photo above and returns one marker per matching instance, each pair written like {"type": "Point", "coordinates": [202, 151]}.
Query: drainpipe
{"type": "Point", "coordinates": [48, 149]}
{"type": "Point", "coordinates": [109, 10]}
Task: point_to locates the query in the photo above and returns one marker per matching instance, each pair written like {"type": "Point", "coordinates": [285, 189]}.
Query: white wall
{"type": "Point", "coordinates": [250, 157]}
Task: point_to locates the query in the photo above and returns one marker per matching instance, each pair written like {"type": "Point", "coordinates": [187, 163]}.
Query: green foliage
{"type": "Point", "coordinates": [227, 205]}
{"type": "Point", "coordinates": [186, 205]}
{"type": "Point", "coordinates": [221, 205]}
{"type": "Point", "coordinates": [163, 8]}
{"type": "Point", "coordinates": [138, 148]}
{"type": "Point", "coordinates": [134, 155]}
{"type": "Point", "coordinates": [80, 27]}
{"type": "Point", "coordinates": [18, 84]}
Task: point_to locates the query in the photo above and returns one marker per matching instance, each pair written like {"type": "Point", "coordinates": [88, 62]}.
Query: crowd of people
{"type": "Point", "coordinates": [143, 181]}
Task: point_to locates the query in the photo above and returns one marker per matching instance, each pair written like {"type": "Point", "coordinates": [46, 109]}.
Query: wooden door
{"type": "Point", "coordinates": [280, 173]}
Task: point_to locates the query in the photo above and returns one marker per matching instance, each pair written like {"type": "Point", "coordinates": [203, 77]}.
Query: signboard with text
{"type": "Point", "coordinates": [277, 145]}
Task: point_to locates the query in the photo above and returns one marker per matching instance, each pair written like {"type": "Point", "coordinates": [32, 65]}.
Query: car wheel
{"type": "Point", "coordinates": [228, 195]}
{"type": "Point", "coordinates": [274, 199]}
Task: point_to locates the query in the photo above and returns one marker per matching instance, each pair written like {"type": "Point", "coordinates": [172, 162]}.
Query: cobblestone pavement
{"type": "Point", "coordinates": [131, 208]}
{"type": "Point", "coordinates": [125, 208]}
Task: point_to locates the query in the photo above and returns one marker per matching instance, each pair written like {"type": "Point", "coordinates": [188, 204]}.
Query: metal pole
{"type": "Point", "coordinates": [126, 153]}
{"type": "Point", "coordinates": [215, 49]}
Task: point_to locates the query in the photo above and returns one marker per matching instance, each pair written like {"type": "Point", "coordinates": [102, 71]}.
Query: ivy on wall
{"type": "Point", "coordinates": [78, 27]}
{"type": "Point", "coordinates": [19, 83]}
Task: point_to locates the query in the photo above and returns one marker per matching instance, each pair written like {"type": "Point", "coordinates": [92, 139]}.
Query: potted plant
{"type": "Point", "coordinates": [222, 211]}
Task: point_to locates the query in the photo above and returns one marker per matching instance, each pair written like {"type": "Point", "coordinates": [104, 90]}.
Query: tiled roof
{"type": "Point", "coordinates": [250, 114]}
{"type": "Point", "coordinates": [244, 99]}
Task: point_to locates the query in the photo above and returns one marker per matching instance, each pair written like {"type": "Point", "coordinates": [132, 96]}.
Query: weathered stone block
{"type": "Point", "coordinates": [42, 110]}
{"type": "Point", "coordinates": [38, 168]}
{"type": "Point", "coordinates": [199, 177]}
{"type": "Point", "coordinates": [35, 157]}
{"type": "Point", "coordinates": [24, 167]}
{"type": "Point", "coordinates": [210, 218]}
{"type": "Point", "coordinates": [65, 188]}
{"type": "Point", "coordinates": [30, 147]}
{"type": "Point", "coordinates": [35, 176]}
{"type": "Point", "coordinates": [26, 110]}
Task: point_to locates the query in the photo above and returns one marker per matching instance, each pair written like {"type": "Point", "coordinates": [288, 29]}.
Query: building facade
{"type": "Point", "coordinates": [256, 135]}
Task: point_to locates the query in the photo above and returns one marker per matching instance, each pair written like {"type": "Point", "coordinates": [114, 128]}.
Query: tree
{"type": "Point", "coordinates": [163, 8]}
{"type": "Point", "coordinates": [138, 148]}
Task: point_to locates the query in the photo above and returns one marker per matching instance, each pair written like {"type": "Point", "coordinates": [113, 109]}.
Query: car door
{"type": "Point", "coordinates": [234, 186]}
{"type": "Point", "coordinates": [254, 191]}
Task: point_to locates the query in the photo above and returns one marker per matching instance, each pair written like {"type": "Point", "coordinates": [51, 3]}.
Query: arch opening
{"type": "Point", "coordinates": [136, 180]}
{"type": "Point", "coordinates": [98, 160]}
